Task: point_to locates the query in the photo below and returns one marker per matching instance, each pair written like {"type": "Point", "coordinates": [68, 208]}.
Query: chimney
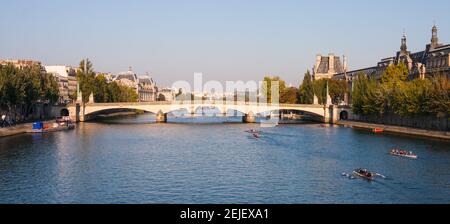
{"type": "Point", "coordinates": [331, 64]}
{"type": "Point", "coordinates": [318, 59]}
{"type": "Point", "coordinates": [344, 63]}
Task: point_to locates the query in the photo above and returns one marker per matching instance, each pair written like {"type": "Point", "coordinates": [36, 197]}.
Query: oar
{"type": "Point", "coordinates": [350, 176]}
{"type": "Point", "coordinates": [380, 175]}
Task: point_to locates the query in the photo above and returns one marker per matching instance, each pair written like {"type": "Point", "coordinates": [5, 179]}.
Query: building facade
{"type": "Point", "coordinates": [67, 81]}
{"type": "Point", "coordinates": [166, 94]}
{"type": "Point", "coordinates": [147, 89]}
{"type": "Point", "coordinates": [22, 63]}
{"type": "Point", "coordinates": [144, 86]}
{"type": "Point", "coordinates": [433, 60]}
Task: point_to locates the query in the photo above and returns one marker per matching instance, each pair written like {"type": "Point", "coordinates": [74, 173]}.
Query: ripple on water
{"type": "Point", "coordinates": [130, 161]}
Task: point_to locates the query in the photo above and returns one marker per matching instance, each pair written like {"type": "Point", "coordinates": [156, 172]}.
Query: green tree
{"type": "Point", "coordinates": [113, 92]}
{"type": "Point", "coordinates": [360, 86]}
{"type": "Point", "coordinates": [26, 87]}
{"type": "Point", "coordinates": [337, 90]}
{"type": "Point", "coordinates": [3, 79]}
{"type": "Point", "coordinates": [372, 98]}
{"type": "Point", "coordinates": [33, 83]}
{"type": "Point", "coordinates": [101, 91]}
{"type": "Point", "coordinates": [13, 90]}
{"type": "Point", "coordinates": [86, 79]}
{"type": "Point", "coordinates": [289, 95]}
{"type": "Point", "coordinates": [320, 90]}
{"type": "Point", "coordinates": [267, 87]}
{"type": "Point", "coordinates": [306, 90]}
{"type": "Point", "coordinates": [440, 96]}
{"type": "Point", "coordinates": [395, 73]}
{"type": "Point", "coordinates": [393, 81]}
{"type": "Point", "coordinates": [49, 88]}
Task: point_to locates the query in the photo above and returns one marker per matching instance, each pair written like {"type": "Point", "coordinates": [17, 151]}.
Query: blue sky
{"type": "Point", "coordinates": [226, 40]}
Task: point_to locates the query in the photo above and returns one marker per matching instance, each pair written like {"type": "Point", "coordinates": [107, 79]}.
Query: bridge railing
{"type": "Point", "coordinates": [198, 102]}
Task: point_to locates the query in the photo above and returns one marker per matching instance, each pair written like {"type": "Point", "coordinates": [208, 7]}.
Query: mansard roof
{"type": "Point", "coordinates": [127, 75]}
{"type": "Point", "coordinates": [324, 65]}
{"type": "Point", "coordinates": [441, 48]}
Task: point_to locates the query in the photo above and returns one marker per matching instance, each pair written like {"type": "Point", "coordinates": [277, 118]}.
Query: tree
{"type": "Point", "coordinates": [267, 87]}
{"type": "Point", "coordinates": [395, 73]}
{"type": "Point", "coordinates": [26, 87]}
{"type": "Point", "coordinates": [86, 79]}
{"type": "Point", "coordinates": [360, 86]}
{"type": "Point", "coordinates": [3, 80]}
{"type": "Point", "coordinates": [289, 95]}
{"type": "Point", "coordinates": [306, 90]}
{"type": "Point", "coordinates": [395, 95]}
{"type": "Point", "coordinates": [392, 83]}
{"type": "Point", "coordinates": [13, 90]}
{"type": "Point", "coordinates": [34, 86]}
{"type": "Point", "coordinates": [113, 92]}
{"type": "Point", "coordinates": [372, 98]}
{"type": "Point", "coordinates": [320, 90]}
{"type": "Point", "coordinates": [337, 90]}
{"type": "Point", "coordinates": [49, 88]}
{"type": "Point", "coordinates": [440, 95]}
{"type": "Point", "coordinates": [101, 93]}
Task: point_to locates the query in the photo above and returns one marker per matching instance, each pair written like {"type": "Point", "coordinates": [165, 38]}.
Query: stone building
{"type": "Point", "coordinates": [166, 94]}
{"type": "Point", "coordinates": [147, 89]}
{"type": "Point", "coordinates": [144, 86]}
{"type": "Point", "coordinates": [22, 63]}
{"type": "Point", "coordinates": [128, 78]}
{"type": "Point", "coordinates": [67, 81]}
{"type": "Point", "coordinates": [328, 66]}
{"type": "Point", "coordinates": [434, 59]}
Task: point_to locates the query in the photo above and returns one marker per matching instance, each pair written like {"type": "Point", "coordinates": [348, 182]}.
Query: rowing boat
{"type": "Point", "coordinates": [368, 176]}
{"type": "Point", "coordinates": [252, 131]}
{"type": "Point", "coordinates": [410, 156]}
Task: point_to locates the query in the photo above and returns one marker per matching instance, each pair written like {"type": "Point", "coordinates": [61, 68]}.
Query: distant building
{"type": "Point", "coordinates": [108, 76]}
{"type": "Point", "coordinates": [67, 81]}
{"type": "Point", "coordinates": [147, 89]}
{"type": "Point", "coordinates": [435, 59]}
{"type": "Point", "coordinates": [128, 78]}
{"type": "Point", "coordinates": [22, 63]}
{"type": "Point", "coordinates": [328, 66]}
{"type": "Point", "coordinates": [166, 94]}
{"type": "Point", "coordinates": [144, 86]}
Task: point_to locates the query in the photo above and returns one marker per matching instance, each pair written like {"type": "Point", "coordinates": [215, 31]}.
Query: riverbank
{"type": "Point", "coordinates": [17, 130]}
{"type": "Point", "coordinates": [398, 129]}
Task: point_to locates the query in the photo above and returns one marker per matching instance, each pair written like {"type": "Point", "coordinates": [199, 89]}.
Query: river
{"type": "Point", "coordinates": [132, 160]}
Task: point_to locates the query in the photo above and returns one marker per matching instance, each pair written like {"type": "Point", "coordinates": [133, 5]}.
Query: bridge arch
{"type": "Point", "coordinates": [96, 113]}
{"type": "Point", "coordinates": [64, 112]}
{"type": "Point", "coordinates": [311, 112]}
{"type": "Point", "coordinates": [168, 107]}
{"type": "Point", "coordinates": [343, 115]}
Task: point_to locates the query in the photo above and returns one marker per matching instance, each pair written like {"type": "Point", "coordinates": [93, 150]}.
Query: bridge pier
{"type": "Point", "coordinates": [249, 118]}
{"type": "Point", "coordinates": [161, 117]}
{"type": "Point", "coordinates": [83, 112]}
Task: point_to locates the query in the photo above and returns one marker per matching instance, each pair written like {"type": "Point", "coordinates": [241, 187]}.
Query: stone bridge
{"type": "Point", "coordinates": [326, 113]}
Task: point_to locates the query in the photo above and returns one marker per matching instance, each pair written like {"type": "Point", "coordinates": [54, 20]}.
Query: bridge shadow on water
{"type": "Point", "coordinates": [127, 118]}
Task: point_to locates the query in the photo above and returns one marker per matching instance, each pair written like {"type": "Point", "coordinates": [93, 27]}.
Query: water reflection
{"type": "Point", "coordinates": [133, 160]}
